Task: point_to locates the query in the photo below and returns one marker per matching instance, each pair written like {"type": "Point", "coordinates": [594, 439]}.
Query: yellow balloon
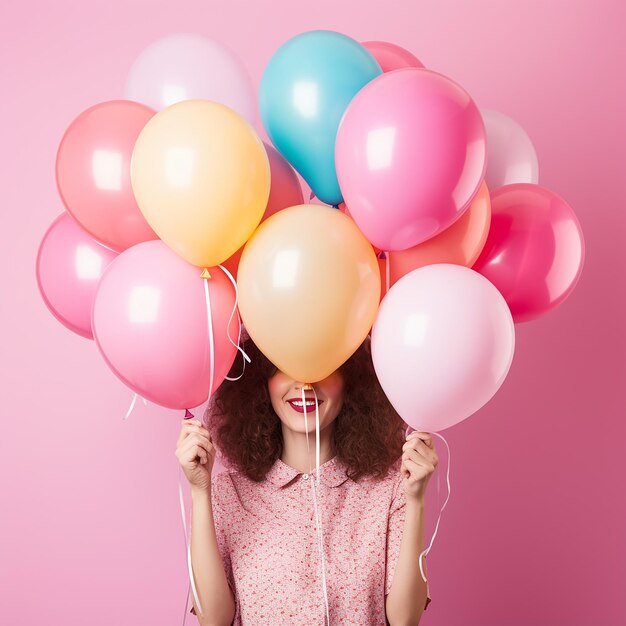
{"type": "Point", "coordinates": [309, 288]}
{"type": "Point", "coordinates": [201, 178]}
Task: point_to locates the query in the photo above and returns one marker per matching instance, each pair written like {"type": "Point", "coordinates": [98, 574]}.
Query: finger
{"type": "Point", "coordinates": [419, 458]}
{"type": "Point", "coordinates": [426, 452]}
{"type": "Point", "coordinates": [190, 427]}
{"type": "Point", "coordinates": [193, 454]}
{"type": "Point", "coordinates": [425, 437]}
{"type": "Point", "coordinates": [418, 470]}
{"type": "Point", "coordinates": [194, 439]}
{"type": "Point", "coordinates": [418, 444]}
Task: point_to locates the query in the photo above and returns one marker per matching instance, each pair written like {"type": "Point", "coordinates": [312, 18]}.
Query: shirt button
{"type": "Point", "coordinates": [305, 476]}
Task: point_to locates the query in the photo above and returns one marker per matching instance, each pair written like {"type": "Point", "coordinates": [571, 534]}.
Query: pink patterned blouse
{"type": "Point", "coordinates": [267, 538]}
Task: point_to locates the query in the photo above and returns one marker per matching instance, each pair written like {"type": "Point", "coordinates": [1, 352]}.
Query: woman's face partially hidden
{"type": "Point", "coordinates": [286, 396]}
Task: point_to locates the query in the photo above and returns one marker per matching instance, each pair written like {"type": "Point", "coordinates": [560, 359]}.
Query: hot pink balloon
{"type": "Point", "coordinates": [410, 156]}
{"type": "Point", "coordinates": [535, 250]}
{"type": "Point", "coordinates": [150, 322]}
{"type": "Point", "coordinates": [442, 345]}
{"type": "Point", "coordinates": [69, 266]}
{"type": "Point", "coordinates": [390, 56]}
{"type": "Point", "coordinates": [93, 172]}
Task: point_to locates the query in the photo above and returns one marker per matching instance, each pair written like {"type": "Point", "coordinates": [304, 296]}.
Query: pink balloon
{"type": "Point", "coordinates": [285, 191]}
{"type": "Point", "coordinates": [69, 266]}
{"type": "Point", "coordinates": [93, 172]}
{"type": "Point", "coordinates": [410, 156]}
{"type": "Point", "coordinates": [150, 322]}
{"type": "Point", "coordinates": [535, 250]}
{"type": "Point", "coordinates": [186, 66]}
{"type": "Point", "coordinates": [390, 56]}
{"type": "Point", "coordinates": [512, 156]}
{"type": "Point", "coordinates": [442, 344]}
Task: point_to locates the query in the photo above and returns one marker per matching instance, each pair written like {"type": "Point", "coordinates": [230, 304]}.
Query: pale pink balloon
{"type": "Point", "coordinates": [442, 345]}
{"type": "Point", "coordinates": [93, 172]}
{"type": "Point", "coordinates": [69, 266]}
{"type": "Point", "coordinates": [535, 249]}
{"type": "Point", "coordinates": [391, 56]}
{"type": "Point", "coordinates": [410, 156]}
{"type": "Point", "coordinates": [186, 66]}
{"type": "Point", "coordinates": [150, 322]}
{"type": "Point", "coordinates": [512, 156]}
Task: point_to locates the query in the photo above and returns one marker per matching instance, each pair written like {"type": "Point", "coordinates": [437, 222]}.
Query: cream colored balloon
{"type": "Point", "coordinates": [201, 178]}
{"type": "Point", "coordinates": [309, 287]}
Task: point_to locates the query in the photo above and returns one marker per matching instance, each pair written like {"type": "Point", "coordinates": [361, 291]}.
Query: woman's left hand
{"type": "Point", "coordinates": [419, 461]}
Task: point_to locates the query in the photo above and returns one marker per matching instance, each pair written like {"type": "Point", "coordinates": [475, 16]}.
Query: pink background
{"type": "Point", "coordinates": [534, 533]}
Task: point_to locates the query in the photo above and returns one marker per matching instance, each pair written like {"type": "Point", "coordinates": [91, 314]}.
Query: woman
{"type": "Point", "coordinates": [255, 548]}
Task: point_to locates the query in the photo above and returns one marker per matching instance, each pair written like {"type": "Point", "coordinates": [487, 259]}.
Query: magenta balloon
{"type": "Point", "coordinates": [69, 266]}
{"type": "Point", "coordinates": [535, 250]}
{"type": "Point", "coordinates": [390, 56]}
{"type": "Point", "coordinates": [150, 323]}
{"type": "Point", "coordinates": [410, 156]}
{"type": "Point", "coordinates": [93, 172]}
{"type": "Point", "coordinates": [442, 345]}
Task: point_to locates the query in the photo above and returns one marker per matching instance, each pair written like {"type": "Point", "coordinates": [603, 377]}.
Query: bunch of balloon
{"type": "Point", "coordinates": [164, 316]}
{"type": "Point", "coordinates": [402, 151]}
{"type": "Point", "coordinates": [309, 284]}
{"type": "Point", "coordinates": [460, 263]}
{"type": "Point", "coordinates": [159, 190]}
{"type": "Point", "coordinates": [101, 219]}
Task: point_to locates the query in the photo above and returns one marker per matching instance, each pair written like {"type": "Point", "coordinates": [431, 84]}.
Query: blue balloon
{"type": "Point", "coordinates": [304, 92]}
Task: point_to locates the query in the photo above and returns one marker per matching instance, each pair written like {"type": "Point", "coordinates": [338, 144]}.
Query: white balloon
{"type": "Point", "coordinates": [188, 66]}
{"type": "Point", "coordinates": [511, 156]}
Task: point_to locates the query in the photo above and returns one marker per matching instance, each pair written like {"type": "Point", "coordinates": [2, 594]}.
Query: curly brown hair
{"type": "Point", "coordinates": [367, 435]}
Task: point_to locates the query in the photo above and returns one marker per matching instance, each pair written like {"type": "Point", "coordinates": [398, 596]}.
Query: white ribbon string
{"type": "Point", "coordinates": [318, 517]}
{"type": "Point", "coordinates": [432, 539]}
{"type": "Point", "coordinates": [207, 296]}
{"type": "Point", "coordinates": [239, 348]}
{"type": "Point", "coordinates": [132, 406]}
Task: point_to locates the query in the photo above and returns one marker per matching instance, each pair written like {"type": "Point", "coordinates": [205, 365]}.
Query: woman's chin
{"type": "Point", "coordinates": [296, 422]}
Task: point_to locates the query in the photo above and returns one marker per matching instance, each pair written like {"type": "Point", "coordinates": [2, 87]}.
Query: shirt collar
{"type": "Point", "coordinates": [333, 473]}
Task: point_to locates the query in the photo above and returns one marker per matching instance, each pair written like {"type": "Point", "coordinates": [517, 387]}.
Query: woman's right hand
{"type": "Point", "coordinates": [196, 454]}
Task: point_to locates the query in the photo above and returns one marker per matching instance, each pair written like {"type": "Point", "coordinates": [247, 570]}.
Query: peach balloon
{"type": "Point", "coordinates": [201, 178]}
{"type": "Point", "coordinates": [309, 289]}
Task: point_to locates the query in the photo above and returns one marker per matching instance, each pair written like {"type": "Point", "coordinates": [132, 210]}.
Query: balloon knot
{"type": "Point", "coordinates": [205, 273]}
{"type": "Point", "coordinates": [382, 255]}
{"type": "Point", "coordinates": [188, 414]}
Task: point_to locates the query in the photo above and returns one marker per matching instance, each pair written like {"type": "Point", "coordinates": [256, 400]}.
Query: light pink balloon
{"type": "Point", "coordinates": [535, 249]}
{"type": "Point", "coordinates": [150, 323]}
{"type": "Point", "coordinates": [512, 156]}
{"type": "Point", "coordinates": [410, 156]}
{"type": "Point", "coordinates": [93, 172]}
{"type": "Point", "coordinates": [442, 344]}
{"type": "Point", "coordinates": [390, 56]}
{"type": "Point", "coordinates": [186, 66]}
{"type": "Point", "coordinates": [69, 266]}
